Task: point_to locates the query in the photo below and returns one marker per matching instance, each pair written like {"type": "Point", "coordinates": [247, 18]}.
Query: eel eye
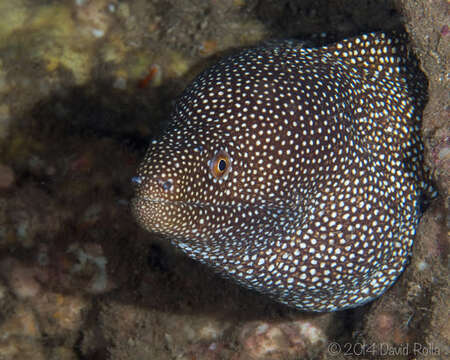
{"type": "Point", "coordinates": [220, 164]}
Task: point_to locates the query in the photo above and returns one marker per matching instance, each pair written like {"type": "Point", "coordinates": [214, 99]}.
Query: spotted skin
{"type": "Point", "coordinates": [295, 171]}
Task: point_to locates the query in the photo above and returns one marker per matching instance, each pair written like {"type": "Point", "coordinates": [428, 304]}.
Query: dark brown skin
{"type": "Point", "coordinates": [293, 171]}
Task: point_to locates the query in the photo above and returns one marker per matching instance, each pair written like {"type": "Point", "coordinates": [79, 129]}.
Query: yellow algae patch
{"type": "Point", "coordinates": [79, 63]}
{"type": "Point", "coordinates": [52, 64]}
{"type": "Point", "coordinates": [69, 52]}
{"type": "Point", "coordinates": [250, 32]}
{"type": "Point", "coordinates": [123, 10]}
{"type": "Point", "coordinates": [78, 60]}
{"type": "Point", "coordinates": [56, 24]}
{"type": "Point", "coordinates": [178, 64]}
{"type": "Point", "coordinates": [121, 73]}
{"type": "Point", "coordinates": [50, 35]}
{"type": "Point", "coordinates": [138, 65]}
{"type": "Point", "coordinates": [114, 50]}
{"type": "Point", "coordinates": [239, 3]}
{"type": "Point", "coordinates": [55, 19]}
{"type": "Point", "coordinates": [14, 14]}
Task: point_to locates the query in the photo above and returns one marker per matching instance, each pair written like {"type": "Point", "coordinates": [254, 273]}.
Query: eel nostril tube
{"type": "Point", "coordinates": [166, 185]}
{"type": "Point", "coordinates": [136, 180]}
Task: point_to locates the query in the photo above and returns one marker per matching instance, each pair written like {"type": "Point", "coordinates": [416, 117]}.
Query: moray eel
{"type": "Point", "coordinates": [295, 170]}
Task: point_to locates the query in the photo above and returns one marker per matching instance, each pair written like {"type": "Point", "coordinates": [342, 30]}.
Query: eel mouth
{"type": "Point", "coordinates": [270, 217]}
{"type": "Point", "coordinates": [196, 204]}
{"type": "Point", "coordinates": [153, 214]}
{"type": "Point", "coordinates": [237, 206]}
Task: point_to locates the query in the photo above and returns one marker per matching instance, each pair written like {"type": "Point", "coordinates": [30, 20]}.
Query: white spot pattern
{"type": "Point", "coordinates": [320, 205]}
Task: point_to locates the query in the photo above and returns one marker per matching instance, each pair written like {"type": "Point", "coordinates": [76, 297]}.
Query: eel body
{"type": "Point", "coordinates": [295, 170]}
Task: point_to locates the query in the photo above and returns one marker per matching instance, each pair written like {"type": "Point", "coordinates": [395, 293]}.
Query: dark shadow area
{"type": "Point", "coordinates": [94, 138]}
{"type": "Point", "coordinates": [288, 18]}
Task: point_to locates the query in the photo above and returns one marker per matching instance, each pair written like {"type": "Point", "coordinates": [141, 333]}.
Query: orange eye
{"type": "Point", "coordinates": [220, 164]}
